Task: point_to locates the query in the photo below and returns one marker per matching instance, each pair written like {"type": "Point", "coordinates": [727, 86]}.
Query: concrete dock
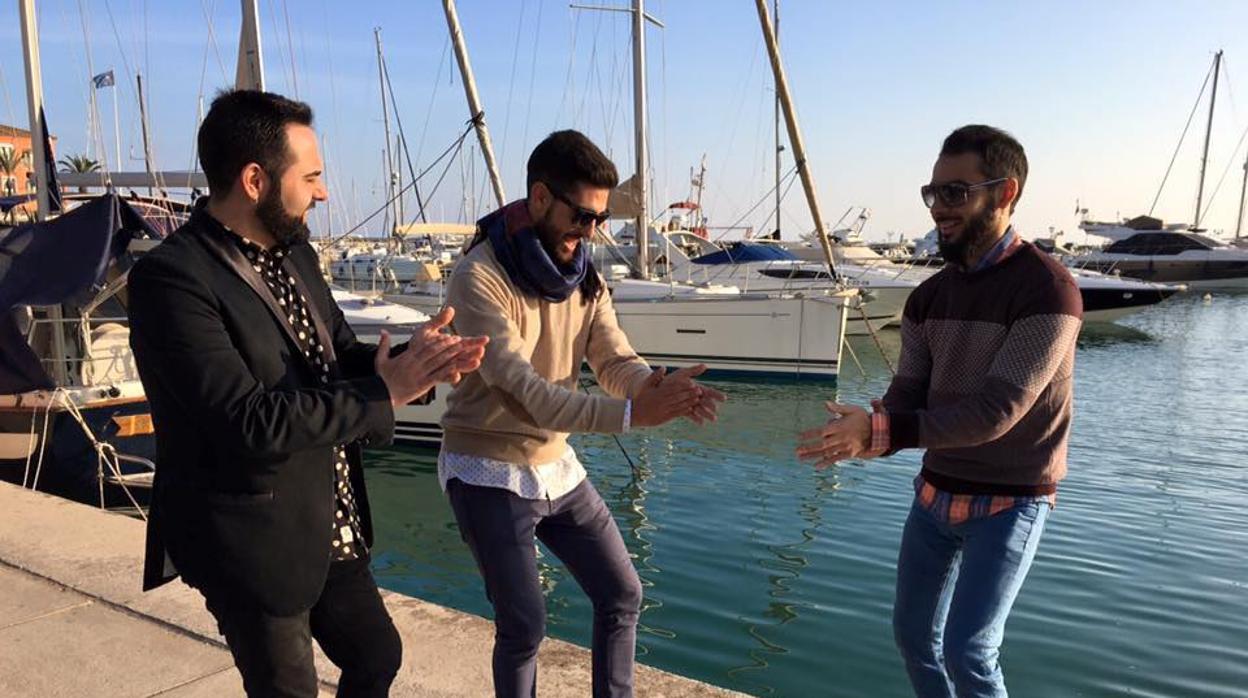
{"type": "Point", "coordinates": [74, 622]}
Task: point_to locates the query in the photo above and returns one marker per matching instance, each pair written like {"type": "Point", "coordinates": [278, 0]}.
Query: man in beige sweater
{"type": "Point", "coordinates": [527, 283]}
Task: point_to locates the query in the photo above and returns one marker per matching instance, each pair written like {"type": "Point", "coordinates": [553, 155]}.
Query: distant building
{"type": "Point", "coordinates": [16, 141]}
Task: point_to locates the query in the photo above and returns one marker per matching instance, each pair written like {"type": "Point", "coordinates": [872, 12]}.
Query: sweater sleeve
{"type": "Point", "coordinates": [482, 304]}
{"type": "Point", "coordinates": [908, 391]}
{"type": "Point", "coordinates": [620, 371]}
{"type": "Point", "coordinates": [1039, 344]}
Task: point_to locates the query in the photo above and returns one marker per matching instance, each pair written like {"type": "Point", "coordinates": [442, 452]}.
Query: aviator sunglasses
{"type": "Point", "coordinates": [952, 194]}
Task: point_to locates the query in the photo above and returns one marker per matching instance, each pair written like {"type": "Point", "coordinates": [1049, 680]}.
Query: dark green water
{"type": "Point", "coordinates": [765, 576]}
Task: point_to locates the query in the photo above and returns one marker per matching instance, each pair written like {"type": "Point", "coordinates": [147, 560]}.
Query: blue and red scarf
{"type": "Point", "coordinates": [518, 248]}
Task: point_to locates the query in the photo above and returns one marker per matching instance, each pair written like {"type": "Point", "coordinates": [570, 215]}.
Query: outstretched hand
{"type": "Point", "coordinates": [664, 397]}
{"type": "Point", "coordinates": [846, 435]}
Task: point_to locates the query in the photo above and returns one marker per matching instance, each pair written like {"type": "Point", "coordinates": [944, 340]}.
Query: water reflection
{"type": "Point", "coordinates": [765, 576]}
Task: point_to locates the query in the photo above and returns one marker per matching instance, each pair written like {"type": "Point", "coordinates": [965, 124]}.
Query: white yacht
{"type": "Point", "coordinates": [1173, 257]}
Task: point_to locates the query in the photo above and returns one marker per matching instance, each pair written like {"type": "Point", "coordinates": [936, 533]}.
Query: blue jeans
{"type": "Point", "coordinates": [955, 587]}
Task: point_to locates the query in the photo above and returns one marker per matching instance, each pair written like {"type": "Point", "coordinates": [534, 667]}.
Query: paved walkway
{"type": "Point", "coordinates": [74, 622]}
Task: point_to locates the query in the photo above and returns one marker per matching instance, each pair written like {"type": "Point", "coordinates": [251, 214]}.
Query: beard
{"type": "Point", "coordinates": [974, 232]}
{"type": "Point", "coordinates": [287, 230]}
{"type": "Point", "coordinates": [551, 238]}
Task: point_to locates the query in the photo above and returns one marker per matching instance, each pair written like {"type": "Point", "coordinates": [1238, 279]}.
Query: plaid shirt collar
{"type": "Point", "coordinates": [1004, 247]}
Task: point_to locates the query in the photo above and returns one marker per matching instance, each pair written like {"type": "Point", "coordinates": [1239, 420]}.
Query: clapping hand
{"type": "Point", "coordinates": [665, 397]}
{"type": "Point", "coordinates": [431, 357]}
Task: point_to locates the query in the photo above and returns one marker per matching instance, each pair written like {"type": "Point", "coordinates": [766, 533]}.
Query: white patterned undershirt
{"type": "Point", "coordinates": [547, 481]}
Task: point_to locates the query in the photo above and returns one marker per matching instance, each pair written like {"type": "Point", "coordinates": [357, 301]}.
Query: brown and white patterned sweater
{"type": "Point", "coordinates": [986, 375]}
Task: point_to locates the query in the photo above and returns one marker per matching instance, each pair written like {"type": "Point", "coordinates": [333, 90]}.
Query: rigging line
{"type": "Point", "coordinates": [437, 83]}
{"type": "Point", "coordinates": [277, 43]}
{"type": "Point", "coordinates": [567, 78]}
{"type": "Point", "coordinates": [664, 153]}
{"type": "Point", "coordinates": [340, 210]}
{"type": "Point", "coordinates": [511, 84]}
{"type": "Point", "coordinates": [589, 71]}
{"type": "Point", "coordinates": [1230, 93]}
{"type": "Point", "coordinates": [290, 44]}
{"type": "Point", "coordinates": [147, 44]}
{"type": "Point", "coordinates": [8, 99]}
{"type": "Point", "coordinates": [1181, 137]}
{"type": "Point", "coordinates": [740, 99]}
{"type": "Point", "coordinates": [1234, 159]}
{"type": "Point", "coordinates": [125, 60]}
{"type": "Point", "coordinates": [97, 138]}
{"type": "Point", "coordinates": [611, 90]}
{"type": "Point", "coordinates": [384, 207]}
{"type": "Point", "coordinates": [528, 110]}
{"type": "Point", "coordinates": [407, 154]}
{"type": "Point", "coordinates": [78, 68]}
{"type": "Point", "coordinates": [787, 177]}
{"type": "Point", "coordinates": [618, 443]}
{"type": "Point", "coordinates": [203, 78]}
{"type": "Point", "coordinates": [212, 37]}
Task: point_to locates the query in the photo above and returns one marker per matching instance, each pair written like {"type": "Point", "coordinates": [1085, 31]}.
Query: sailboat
{"type": "Point", "coordinates": [732, 331]}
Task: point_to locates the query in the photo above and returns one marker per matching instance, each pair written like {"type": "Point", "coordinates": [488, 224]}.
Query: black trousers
{"type": "Point", "coordinates": [349, 621]}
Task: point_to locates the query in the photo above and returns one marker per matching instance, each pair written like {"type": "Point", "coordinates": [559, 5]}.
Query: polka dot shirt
{"type": "Point", "coordinates": [347, 542]}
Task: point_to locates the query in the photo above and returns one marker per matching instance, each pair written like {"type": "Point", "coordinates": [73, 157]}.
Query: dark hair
{"type": "Point", "coordinates": [1000, 154]}
{"type": "Point", "coordinates": [246, 126]}
{"type": "Point", "coordinates": [566, 160]}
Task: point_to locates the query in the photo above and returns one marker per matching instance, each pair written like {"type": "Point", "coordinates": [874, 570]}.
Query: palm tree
{"type": "Point", "coordinates": [10, 160]}
{"type": "Point", "coordinates": [79, 164]}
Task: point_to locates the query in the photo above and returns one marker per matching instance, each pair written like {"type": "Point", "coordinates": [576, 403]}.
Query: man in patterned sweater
{"type": "Point", "coordinates": [984, 385]}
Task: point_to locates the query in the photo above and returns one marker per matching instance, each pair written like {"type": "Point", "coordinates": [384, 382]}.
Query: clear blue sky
{"type": "Point", "coordinates": [1097, 92]}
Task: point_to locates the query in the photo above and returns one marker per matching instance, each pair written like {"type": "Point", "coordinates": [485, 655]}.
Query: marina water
{"type": "Point", "coordinates": [766, 576]}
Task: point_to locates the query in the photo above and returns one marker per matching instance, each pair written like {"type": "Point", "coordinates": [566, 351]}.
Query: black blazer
{"type": "Point", "coordinates": [245, 431]}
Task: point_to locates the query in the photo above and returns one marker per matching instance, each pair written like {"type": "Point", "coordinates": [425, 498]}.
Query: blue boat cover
{"type": "Point", "coordinates": [742, 252]}
{"type": "Point", "coordinates": [58, 261]}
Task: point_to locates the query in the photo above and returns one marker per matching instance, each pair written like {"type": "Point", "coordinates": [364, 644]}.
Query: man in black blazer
{"type": "Point", "coordinates": [262, 399]}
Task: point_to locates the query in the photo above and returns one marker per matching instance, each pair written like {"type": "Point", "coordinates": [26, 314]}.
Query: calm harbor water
{"type": "Point", "coordinates": [765, 576]}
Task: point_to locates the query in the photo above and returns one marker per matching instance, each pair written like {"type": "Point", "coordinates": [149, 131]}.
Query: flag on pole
{"type": "Point", "coordinates": [104, 80]}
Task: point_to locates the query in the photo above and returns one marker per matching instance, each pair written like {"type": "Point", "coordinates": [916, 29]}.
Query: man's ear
{"type": "Point", "coordinates": [1009, 194]}
{"type": "Point", "coordinates": [539, 199]}
{"type": "Point", "coordinates": [253, 181]}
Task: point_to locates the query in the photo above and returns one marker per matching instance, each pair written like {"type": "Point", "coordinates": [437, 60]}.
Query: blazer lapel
{"type": "Point", "coordinates": [230, 256]}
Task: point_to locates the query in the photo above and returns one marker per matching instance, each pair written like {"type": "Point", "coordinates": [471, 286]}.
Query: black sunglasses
{"type": "Point", "coordinates": [581, 216]}
{"type": "Point", "coordinates": [952, 194]}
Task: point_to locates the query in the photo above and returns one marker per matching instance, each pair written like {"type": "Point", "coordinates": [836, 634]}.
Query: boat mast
{"type": "Point", "coordinates": [39, 160]}
{"type": "Point", "coordinates": [147, 143]}
{"type": "Point", "coordinates": [1204, 158]}
{"type": "Point", "coordinates": [34, 101]}
{"type": "Point", "coordinates": [642, 221]}
{"type": "Point", "coordinates": [250, 72]}
{"type": "Point", "coordinates": [385, 120]}
{"type": "Point", "coordinates": [795, 135]}
{"type": "Point", "coordinates": [1243, 190]}
{"type": "Point", "coordinates": [639, 135]}
{"type": "Point", "coordinates": [779, 145]}
{"type": "Point", "coordinates": [475, 112]}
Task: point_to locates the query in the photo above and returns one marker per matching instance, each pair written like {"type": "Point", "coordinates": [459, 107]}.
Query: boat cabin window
{"type": "Point", "coordinates": [1160, 244]}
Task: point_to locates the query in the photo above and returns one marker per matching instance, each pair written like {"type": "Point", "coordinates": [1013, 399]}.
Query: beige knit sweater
{"type": "Point", "coordinates": [524, 401]}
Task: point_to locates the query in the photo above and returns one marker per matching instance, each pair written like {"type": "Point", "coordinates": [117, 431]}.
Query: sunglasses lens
{"type": "Point", "coordinates": [953, 194]}
{"type": "Point", "coordinates": [929, 195]}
